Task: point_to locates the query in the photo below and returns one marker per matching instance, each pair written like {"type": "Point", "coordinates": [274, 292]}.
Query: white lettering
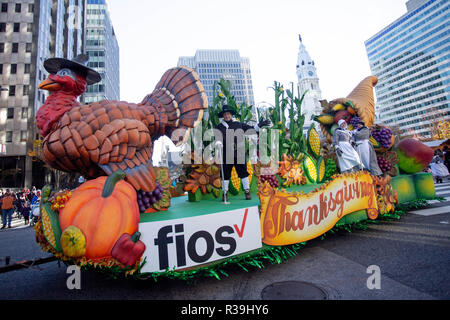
{"type": "Point", "coordinates": [74, 281]}
{"type": "Point", "coordinates": [374, 281]}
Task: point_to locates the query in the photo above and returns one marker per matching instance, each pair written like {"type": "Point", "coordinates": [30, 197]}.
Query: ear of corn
{"type": "Point", "coordinates": [250, 171]}
{"type": "Point", "coordinates": [50, 226]}
{"type": "Point", "coordinates": [314, 142]}
{"type": "Point", "coordinates": [321, 166]}
{"type": "Point", "coordinates": [325, 119]}
{"type": "Point", "coordinates": [235, 180]}
{"type": "Point", "coordinates": [310, 168]}
{"type": "Point", "coordinates": [374, 142]}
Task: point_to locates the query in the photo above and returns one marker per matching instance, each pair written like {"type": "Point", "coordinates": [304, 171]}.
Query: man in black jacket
{"type": "Point", "coordinates": [233, 151]}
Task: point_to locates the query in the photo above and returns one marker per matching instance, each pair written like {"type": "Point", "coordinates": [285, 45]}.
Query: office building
{"type": "Point", "coordinates": [31, 31]}
{"type": "Point", "coordinates": [308, 82]}
{"type": "Point", "coordinates": [411, 58]}
{"type": "Point", "coordinates": [103, 50]}
{"type": "Point", "coordinates": [213, 65]}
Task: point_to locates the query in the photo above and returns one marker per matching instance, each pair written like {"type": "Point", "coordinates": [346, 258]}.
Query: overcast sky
{"type": "Point", "coordinates": [153, 34]}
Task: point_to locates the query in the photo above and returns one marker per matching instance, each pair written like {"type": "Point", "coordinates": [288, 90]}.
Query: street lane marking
{"type": "Point", "coordinates": [432, 211]}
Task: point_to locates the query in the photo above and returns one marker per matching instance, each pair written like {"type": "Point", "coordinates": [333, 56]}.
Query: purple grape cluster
{"type": "Point", "coordinates": [354, 121]}
{"type": "Point", "coordinates": [273, 181]}
{"type": "Point", "coordinates": [383, 136]}
{"type": "Point", "coordinates": [384, 165]}
{"type": "Point", "coordinates": [146, 199]}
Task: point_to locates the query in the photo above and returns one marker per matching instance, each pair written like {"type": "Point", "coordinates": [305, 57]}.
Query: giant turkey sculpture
{"type": "Point", "coordinates": [103, 137]}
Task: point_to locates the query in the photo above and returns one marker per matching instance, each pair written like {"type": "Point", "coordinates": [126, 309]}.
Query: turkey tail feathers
{"type": "Point", "coordinates": [181, 100]}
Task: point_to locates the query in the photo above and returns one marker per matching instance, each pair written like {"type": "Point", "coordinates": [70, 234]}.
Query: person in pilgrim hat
{"type": "Point", "coordinates": [234, 157]}
{"type": "Point", "coordinates": [364, 147]}
{"type": "Point", "coordinates": [348, 158]}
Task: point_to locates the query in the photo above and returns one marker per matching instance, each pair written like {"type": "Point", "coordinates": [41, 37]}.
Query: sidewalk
{"type": "Point", "coordinates": [16, 223]}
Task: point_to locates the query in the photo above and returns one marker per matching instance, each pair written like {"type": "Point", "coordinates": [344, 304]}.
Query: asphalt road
{"type": "Point", "coordinates": [413, 256]}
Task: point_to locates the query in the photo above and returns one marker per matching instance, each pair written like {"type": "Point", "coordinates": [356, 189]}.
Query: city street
{"type": "Point", "coordinates": [412, 254]}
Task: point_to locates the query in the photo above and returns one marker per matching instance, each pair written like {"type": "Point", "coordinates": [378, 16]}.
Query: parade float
{"type": "Point", "coordinates": [128, 218]}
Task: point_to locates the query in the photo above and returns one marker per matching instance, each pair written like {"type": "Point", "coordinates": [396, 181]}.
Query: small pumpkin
{"type": "Point", "coordinates": [103, 209]}
{"type": "Point", "coordinates": [73, 242]}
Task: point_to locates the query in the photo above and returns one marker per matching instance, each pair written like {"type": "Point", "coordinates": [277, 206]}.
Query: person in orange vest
{"type": "Point", "coordinates": [7, 209]}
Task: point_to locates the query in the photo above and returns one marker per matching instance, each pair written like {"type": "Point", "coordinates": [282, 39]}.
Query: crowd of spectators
{"type": "Point", "coordinates": [18, 203]}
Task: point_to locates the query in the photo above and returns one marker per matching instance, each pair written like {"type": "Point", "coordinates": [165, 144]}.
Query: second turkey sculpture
{"type": "Point", "coordinates": [103, 137]}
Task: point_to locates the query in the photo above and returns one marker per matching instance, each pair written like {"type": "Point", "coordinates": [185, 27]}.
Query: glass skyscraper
{"type": "Point", "coordinates": [31, 31]}
{"type": "Point", "coordinates": [411, 59]}
{"type": "Point", "coordinates": [212, 65]}
{"type": "Point", "coordinates": [103, 51]}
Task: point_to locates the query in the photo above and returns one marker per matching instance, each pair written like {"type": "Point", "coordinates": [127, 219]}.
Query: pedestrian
{"type": "Point", "coordinates": [447, 157]}
{"type": "Point", "coordinates": [26, 209]}
{"type": "Point", "coordinates": [364, 147]}
{"type": "Point", "coordinates": [18, 204]}
{"type": "Point", "coordinates": [36, 196]}
{"type": "Point", "coordinates": [237, 147]}
{"type": "Point", "coordinates": [348, 158]}
{"type": "Point", "coordinates": [7, 209]}
{"type": "Point", "coordinates": [438, 168]}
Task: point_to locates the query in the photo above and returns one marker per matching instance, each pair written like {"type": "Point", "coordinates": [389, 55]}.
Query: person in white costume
{"type": "Point", "coordinates": [364, 147]}
{"type": "Point", "coordinates": [438, 168]}
{"type": "Point", "coordinates": [348, 158]}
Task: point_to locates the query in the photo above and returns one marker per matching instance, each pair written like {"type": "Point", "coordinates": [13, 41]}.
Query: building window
{"type": "Point", "coordinates": [29, 27]}
{"type": "Point", "coordinates": [16, 27]}
{"type": "Point", "coordinates": [4, 7]}
{"type": "Point", "coordinates": [26, 90]}
{"type": "Point", "coordinates": [10, 114]}
{"type": "Point", "coordinates": [15, 47]}
{"type": "Point", "coordinates": [13, 68]}
{"type": "Point", "coordinates": [23, 136]}
{"type": "Point", "coordinates": [31, 7]}
{"type": "Point", "coordinates": [2, 47]}
{"type": "Point", "coordinates": [1, 68]}
{"type": "Point", "coordinates": [12, 91]}
{"type": "Point", "coordinates": [2, 27]}
{"type": "Point", "coordinates": [25, 110]}
{"type": "Point", "coordinates": [18, 7]}
{"type": "Point", "coordinates": [27, 68]}
{"type": "Point", "coordinates": [28, 47]}
{"type": "Point", "coordinates": [8, 136]}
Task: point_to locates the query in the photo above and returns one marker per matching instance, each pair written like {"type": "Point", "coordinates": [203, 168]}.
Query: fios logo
{"type": "Point", "coordinates": [193, 241]}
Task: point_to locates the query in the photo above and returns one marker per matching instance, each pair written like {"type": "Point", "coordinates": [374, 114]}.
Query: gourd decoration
{"type": "Point", "coordinates": [103, 210]}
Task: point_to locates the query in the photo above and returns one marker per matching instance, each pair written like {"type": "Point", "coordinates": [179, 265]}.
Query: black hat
{"type": "Point", "coordinates": [226, 108]}
{"type": "Point", "coordinates": [77, 64]}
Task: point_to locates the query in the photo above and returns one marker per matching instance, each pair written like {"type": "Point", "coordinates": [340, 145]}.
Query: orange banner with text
{"type": "Point", "coordinates": [289, 218]}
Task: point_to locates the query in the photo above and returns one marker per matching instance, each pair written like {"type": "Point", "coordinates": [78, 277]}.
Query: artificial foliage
{"type": "Point", "coordinates": [291, 138]}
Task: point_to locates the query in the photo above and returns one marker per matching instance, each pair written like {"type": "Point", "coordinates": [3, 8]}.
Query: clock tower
{"type": "Point", "coordinates": [308, 81]}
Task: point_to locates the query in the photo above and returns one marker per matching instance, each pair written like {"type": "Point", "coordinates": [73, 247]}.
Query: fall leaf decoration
{"type": "Point", "coordinates": [386, 196]}
{"type": "Point", "coordinates": [59, 199]}
{"type": "Point", "coordinates": [327, 152]}
{"type": "Point", "coordinates": [204, 177]}
{"type": "Point", "coordinates": [291, 171]}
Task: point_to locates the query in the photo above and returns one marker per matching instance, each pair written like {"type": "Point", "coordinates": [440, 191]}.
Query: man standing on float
{"type": "Point", "coordinates": [235, 144]}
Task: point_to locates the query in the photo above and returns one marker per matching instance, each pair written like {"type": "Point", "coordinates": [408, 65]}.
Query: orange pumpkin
{"type": "Point", "coordinates": [103, 209]}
